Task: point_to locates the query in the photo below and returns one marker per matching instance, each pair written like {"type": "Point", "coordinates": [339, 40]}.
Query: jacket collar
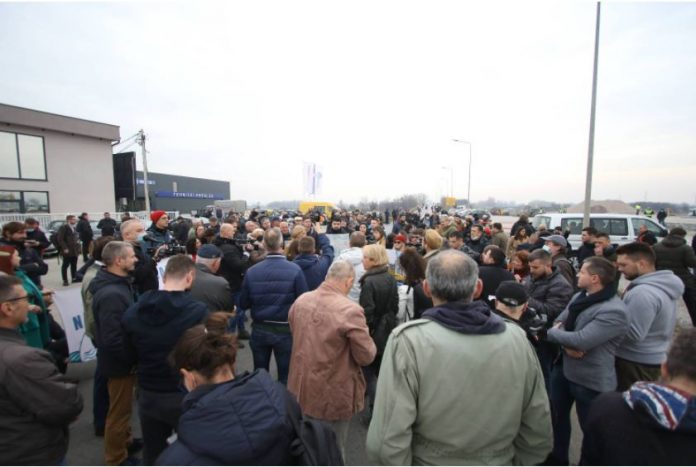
{"type": "Point", "coordinates": [466, 318]}
{"type": "Point", "coordinates": [11, 335]}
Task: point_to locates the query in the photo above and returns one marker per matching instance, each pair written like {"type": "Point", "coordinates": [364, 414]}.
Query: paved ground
{"type": "Point", "coordinates": [86, 449]}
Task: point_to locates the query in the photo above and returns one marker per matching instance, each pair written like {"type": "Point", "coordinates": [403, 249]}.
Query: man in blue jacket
{"type": "Point", "coordinates": [269, 290]}
{"type": "Point", "coordinates": [314, 267]}
{"type": "Point", "coordinates": [153, 326]}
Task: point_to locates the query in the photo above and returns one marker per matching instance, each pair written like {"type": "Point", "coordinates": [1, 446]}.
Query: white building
{"type": "Point", "coordinates": [53, 163]}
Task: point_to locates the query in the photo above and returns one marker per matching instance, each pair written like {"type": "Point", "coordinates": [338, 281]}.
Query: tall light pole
{"type": "Point", "coordinates": [146, 188]}
{"type": "Point", "coordinates": [468, 186]}
{"type": "Point", "coordinates": [590, 151]}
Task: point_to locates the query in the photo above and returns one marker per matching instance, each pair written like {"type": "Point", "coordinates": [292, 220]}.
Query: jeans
{"type": "Point", "coordinates": [264, 341]}
{"type": "Point", "coordinates": [69, 261]}
{"type": "Point", "coordinates": [563, 394]}
{"type": "Point", "coordinates": [159, 418]}
{"type": "Point", "coordinates": [100, 398]}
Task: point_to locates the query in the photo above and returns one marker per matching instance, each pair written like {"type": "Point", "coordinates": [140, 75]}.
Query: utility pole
{"type": "Point", "coordinates": [590, 152]}
{"type": "Point", "coordinates": [146, 187]}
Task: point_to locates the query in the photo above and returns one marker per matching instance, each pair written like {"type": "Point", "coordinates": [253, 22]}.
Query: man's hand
{"type": "Point", "coordinates": [558, 325]}
{"type": "Point", "coordinates": [518, 278]}
{"type": "Point", "coordinates": [572, 353]}
{"type": "Point", "coordinates": [34, 309]}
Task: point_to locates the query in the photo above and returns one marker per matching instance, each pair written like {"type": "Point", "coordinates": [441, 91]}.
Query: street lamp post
{"type": "Point", "coordinates": [468, 186]}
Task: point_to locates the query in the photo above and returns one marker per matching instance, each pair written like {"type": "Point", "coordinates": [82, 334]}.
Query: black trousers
{"type": "Point", "coordinates": [68, 261]}
{"type": "Point", "coordinates": [85, 250]}
{"type": "Point", "coordinates": [159, 418]}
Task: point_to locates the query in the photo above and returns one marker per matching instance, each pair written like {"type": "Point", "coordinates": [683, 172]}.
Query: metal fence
{"type": "Point", "coordinates": [45, 219]}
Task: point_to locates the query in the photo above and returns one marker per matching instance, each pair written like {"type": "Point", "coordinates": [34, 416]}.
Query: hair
{"type": "Point", "coordinates": [637, 251]}
{"type": "Point", "coordinates": [114, 250]}
{"type": "Point", "coordinates": [12, 228]}
{"type": "Point", "coordinates": [602, 267]}
{"type": "Point", "coordinates": [478, 227]}
{"type": "Point", "coordinates": [191, 246]}
{"type": "Point", "coordinates": [452, 276]}
{"type": "Point", "coordinates": [340, 270]}
{"type": "Point", "coordinates": [496, 254]}
{"type": "Point", "coordinates": [178, 266]}
{"type": "Point", "coordinates": [126, 225]}
{"type": "Point", "coordinates": [456, 234]}
{"type": "Point", "coordinates": [7, 285]}
{"type": "Point", "coordinates": [524, 218]}
{"type": "Point", "coordinates": [523, 256]}
{"type": "Point", "coordinates": [540, 255]}
{"type": "Point", "coordinates": [226, 228]}
{"type": "Point", "coordinates": [380, 229]}
{"type": "Point", "coordinates": [518, 233]}
{"type": "Point", "coordinates": [273, 239]}
{"type": "Point", "coordinates": [357, 239]}
{"type": "Point", "coordinates": [680, 358]}
{"type": "Point", "coordinates": [218, 322]}
{"type": "Point", "coordinates": [413, 265]}
{"type": "Point", "coordinates": [204, 350]}
{"type": "Point", "coordinates": [30, 221]}
{"type": "Point", "coordinates": [69, 216]}
{"type": "Point", "coordinates": [433, 239]}
{"type": "Point", "coordinates": [602, 235]}
{"type": "Point", "coordinates": [377, 253]}
{"type": "Point", "coordinates": [678, 231]}
{"type": "Point", "coordinates": [298, 231]}
{"type": "Point", "coordinates": [98, 246]}
{"type": "Point", "coordinates": [590, 231]}
{"type": "Point", "coordinates": [306, 245]}
{"type": "Point", "coordinates": [497, 225]}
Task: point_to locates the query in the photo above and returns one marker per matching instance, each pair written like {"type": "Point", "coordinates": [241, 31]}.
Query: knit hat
{"type": "Point", "coordinates": [209, 251]}
{"type": "Point", "coordinates": [155, 215]}
{"type": "Point", "coordinates": [400, 238]}
{"type": "Point", "coordinates": [511, 293]}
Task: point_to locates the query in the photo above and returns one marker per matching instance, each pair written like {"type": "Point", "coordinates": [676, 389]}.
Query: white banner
{"type": "Point", "coordinates": [68, 304]}
{"type": "Point", "coordinates": [340, 242]}
{"type": "Point", "coordinates": [312, 178]}
{"type": "Point", "coordinates": [160, 271]}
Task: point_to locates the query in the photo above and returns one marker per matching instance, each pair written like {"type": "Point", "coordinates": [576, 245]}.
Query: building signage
{"type": "Point", "coordinates": [149, 182]}
{"type": "Point", "coordinates": [184, 194]}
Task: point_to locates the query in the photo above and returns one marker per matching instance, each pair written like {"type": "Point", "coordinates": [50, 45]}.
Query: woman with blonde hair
{"type": "Point", "coordinates": [433, 243]}
{"type": "Point", "coordinates": [379, 297]}
{"type": "Point", "coordinates": [292, 250]}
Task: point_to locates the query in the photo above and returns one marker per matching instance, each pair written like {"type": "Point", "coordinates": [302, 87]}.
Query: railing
{"type": "Point", "coordinates": [45, 219]}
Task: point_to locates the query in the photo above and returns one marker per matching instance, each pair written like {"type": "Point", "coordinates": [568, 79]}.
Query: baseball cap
{"type": "Point", "coordinates": [511, 293]}
{"type": "Point", "coordinates": [557, 239]}
{"type": "Point", "coordinates": [209, 251]}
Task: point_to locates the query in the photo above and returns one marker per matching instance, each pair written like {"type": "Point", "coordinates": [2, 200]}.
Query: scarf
{"type": "Point", "coordinates": [583, 301]}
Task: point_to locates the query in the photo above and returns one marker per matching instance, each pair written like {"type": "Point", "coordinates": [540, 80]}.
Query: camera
{"type": "Point", "coordinates": [535, 325]}
{"type": "Point", "coordinates": [165, 250]}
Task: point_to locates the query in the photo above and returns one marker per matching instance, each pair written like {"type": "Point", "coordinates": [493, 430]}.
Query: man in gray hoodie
{"type": "Point", "coordinates": [651, 299]}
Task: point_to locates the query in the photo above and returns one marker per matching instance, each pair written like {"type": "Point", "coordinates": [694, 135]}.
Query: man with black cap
{"type": "Point", "coordinates": [556, 245]}
{"type": "Point", "coordinates": [210, 289]}
{"type": "Point", "coordinates": [512, 303]}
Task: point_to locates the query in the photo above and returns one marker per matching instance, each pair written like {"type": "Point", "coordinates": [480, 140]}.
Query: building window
{"type": "Point", "coordinates": [24, 201]}
{"type": "Point", "coordinates": [22, 156]}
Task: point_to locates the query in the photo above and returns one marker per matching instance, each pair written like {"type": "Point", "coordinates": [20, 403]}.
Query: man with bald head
{"type": "Point", "coordinates": [233, 265]}
{"type": "Point", "coordinates": [145, 273]}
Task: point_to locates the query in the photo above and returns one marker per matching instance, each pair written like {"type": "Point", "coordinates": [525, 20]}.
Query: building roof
{"type": "Point", "coordinates": [36, 119]}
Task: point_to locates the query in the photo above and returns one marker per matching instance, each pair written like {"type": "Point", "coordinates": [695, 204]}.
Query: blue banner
{"type": "Point", "coordinates": [190, 195]}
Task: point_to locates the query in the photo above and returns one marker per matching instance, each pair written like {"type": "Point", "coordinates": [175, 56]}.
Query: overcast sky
{"type": "Point", "coordinates": [375, 91]}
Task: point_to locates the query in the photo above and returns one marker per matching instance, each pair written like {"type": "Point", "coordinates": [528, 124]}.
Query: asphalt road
{"type": "Point", "coordinates": [87, 449]}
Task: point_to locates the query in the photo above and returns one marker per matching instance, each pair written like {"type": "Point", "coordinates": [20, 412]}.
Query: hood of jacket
{"type": "Point", "coordinates": [104, 278]}
{"type": "Point", "coordinates": [159, 307]}
{"type": "Point", "coordinates": [373, 272]}
{"type": "Point", "coordinates": [673, 241]}
{"type": "Point", "coordinates": [666, 281]}
{"type": "Point", "coordinates": [467, 318]}
{"type": "Point", "coordinates": [306, 261]}
{"type": "Point", "coordinates": [237, 422]}
{"type": "Point", "coordinates": [667, 407]}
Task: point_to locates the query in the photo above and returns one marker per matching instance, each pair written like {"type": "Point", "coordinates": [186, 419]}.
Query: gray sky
{"type": "Point", "coordinates": [375, 91]}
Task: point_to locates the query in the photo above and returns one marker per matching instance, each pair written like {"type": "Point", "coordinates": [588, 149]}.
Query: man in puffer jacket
{"type": "Point", "coordinates": [269, 290]}
{"type": "Point", "coordinates": [314, 267]}
{"type": "Point", "coordinates": [674, 254]}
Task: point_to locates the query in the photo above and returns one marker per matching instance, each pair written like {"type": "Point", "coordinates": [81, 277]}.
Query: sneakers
{"type": "Point", "coordinates": [243, 335]}
{"type": "Point", "coordinates": [66, 283]}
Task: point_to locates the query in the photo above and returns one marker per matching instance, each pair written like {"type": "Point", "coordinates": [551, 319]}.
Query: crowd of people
{"type": "Point", "coordinates": [457, 341]}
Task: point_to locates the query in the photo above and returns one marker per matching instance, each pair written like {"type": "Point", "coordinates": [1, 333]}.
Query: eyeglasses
{"type": "Point", "coordinates": [25, 297]}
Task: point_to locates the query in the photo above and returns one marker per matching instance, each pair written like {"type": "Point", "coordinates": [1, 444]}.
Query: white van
{"type": "Point", "coordinates": [622, 228]}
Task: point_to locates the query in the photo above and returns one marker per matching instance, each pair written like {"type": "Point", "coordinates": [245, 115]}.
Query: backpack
{"type": "Point", "coordinates": [315, 442]}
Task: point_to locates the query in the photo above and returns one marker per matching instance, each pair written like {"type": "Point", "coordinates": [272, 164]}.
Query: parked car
{"type": "Point", "coordinates": [622, 228]}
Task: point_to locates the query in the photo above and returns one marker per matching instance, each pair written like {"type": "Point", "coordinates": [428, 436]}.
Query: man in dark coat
{"type": "Point", "coordinates": [68, 248]}
{"type": "Point", "coordinates": [112, 294]}
{"type": "Point", "coordinates": [477, 241]}
{"type": "Point", "coordinates": [314, 267]}
{"type": "Point", "coordinates": [233, 267]}
{"type": "Point", "coordinates": [152, 327]}
{"type": "Point", "coordinates": [30, 261]}
{"type": "Point", "coordinates": [145, 272]}
{"type": "Point", "coordinates": [586, 250]}
{"type": "Point", "coordinates": [84, 230]}
{"type": "Point", "coordinates": [37, 404]}
{"type": "Point", "coordinates": [674, 254]}
{"type": "Point", "coordinates": [651, 423]}
{"type": "Point", "coordinates": [492, 272]}
{"type": "Point", "coordinates": [35, 236]}
{"type": "Point", "coordinates": [212, 290]}
{"type": "Point", "coordinates": [107, 225]}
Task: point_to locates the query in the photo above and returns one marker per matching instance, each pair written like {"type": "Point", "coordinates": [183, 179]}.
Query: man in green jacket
{"type": "Point", "coordinates": [460, 386]}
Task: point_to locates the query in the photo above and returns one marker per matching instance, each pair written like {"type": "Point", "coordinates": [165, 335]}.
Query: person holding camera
{"type": "Point", "coordinates": [512, 303]}
{"type": "Point", "coordinates": [158, 233]}
{"type": "Point", "coordinates": [233, 266]}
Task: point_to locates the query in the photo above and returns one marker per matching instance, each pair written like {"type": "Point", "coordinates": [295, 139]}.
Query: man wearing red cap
{"type": "Point", "coordinates": [158, 233]}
